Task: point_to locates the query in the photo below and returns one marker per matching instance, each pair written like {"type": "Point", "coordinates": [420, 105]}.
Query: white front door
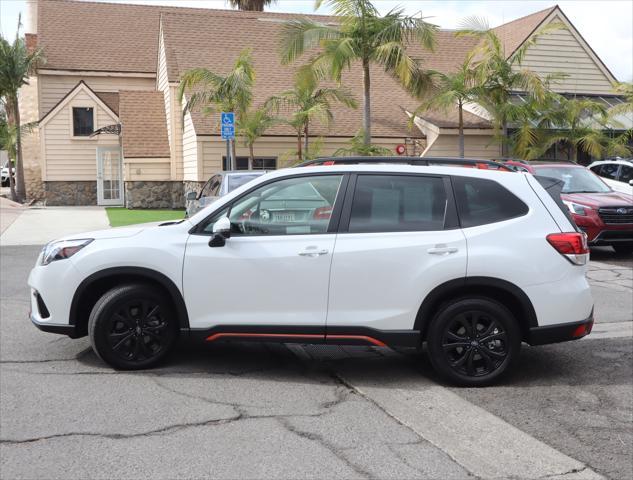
{"type": "Point", "coordinates": [274, 270]}
{"type": "Point", "coordinates": [109, 176]}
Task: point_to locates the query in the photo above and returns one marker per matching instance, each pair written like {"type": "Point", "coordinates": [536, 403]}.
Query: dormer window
{"type": "Point", "coordinates": [83, 121]}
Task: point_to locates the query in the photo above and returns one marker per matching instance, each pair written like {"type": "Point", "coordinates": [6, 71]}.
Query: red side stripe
{"type": "Point", "coordinates": [266, 335]}
{"type": "Point", "coordinates": [371, 340]}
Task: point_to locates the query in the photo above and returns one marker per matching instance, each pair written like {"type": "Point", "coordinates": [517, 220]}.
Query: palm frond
{"type": "Point", "coordinates": [301, 35]}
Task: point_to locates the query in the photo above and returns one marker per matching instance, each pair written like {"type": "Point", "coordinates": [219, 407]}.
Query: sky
{"type": "Point", "coordinates": [607, 25]}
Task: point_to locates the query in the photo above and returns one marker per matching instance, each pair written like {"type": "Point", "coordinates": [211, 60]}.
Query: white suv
{"type": "Point", "coordinates": [471, 262]}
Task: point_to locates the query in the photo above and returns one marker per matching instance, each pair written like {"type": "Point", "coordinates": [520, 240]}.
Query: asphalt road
{"type": "Point", "coordinates": [276, 411]}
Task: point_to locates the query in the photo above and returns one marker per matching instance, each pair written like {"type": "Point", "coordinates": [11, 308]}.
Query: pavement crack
{"type": "Point", "coordinates": [118, 436]}
{"type": "Point", "coordinates": [314, 437]}
{"type": "Point", "coordinates": [80, 355]}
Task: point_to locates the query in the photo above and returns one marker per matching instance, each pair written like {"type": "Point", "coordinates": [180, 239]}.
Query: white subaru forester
{"type": "Point", "coordinates": [471, 262]}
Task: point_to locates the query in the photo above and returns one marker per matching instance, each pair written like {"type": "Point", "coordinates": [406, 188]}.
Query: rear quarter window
{"type": "Point", "coordinates": [481, 201]}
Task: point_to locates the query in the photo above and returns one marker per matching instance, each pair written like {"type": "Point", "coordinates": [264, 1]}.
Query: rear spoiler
{"type": "Point", "coordinates": [554, 187]}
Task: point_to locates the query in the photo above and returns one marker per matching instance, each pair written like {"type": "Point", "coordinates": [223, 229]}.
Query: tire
{"type": "Point", "coordinates": [624, 249]}
{"type": "Point", "coordinates": [458, 353]}
{"type": "Point", "coordinates": [133, 327]}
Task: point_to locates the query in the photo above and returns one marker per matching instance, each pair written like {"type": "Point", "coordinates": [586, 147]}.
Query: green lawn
{"type": "Point", "coordinates": [119, 216]}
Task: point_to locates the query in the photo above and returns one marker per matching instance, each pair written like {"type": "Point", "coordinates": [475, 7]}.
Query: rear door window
{"type": "Point", "coordinates": [481, 201]}
{"type": "Point", "coordinates": [626, 174]}
{"type": "Point", "coordinates": [398, 203]}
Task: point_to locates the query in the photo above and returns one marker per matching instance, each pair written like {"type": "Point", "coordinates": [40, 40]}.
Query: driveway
{"type": "Point", "coordinates": [40, 225]}
{"type": "Point", "coordinates": [291, 411]}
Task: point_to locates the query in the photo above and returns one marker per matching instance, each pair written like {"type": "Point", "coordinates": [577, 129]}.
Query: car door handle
{"type": "Point", "coordinates": [442, 250]}
{"type": "Point", "coordinates": [313, 253]}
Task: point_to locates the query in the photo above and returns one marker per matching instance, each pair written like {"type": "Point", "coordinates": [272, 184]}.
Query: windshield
{"type": "Point", "coordinates": [575, 180]}
{"type": "Point", "coordinates": [236, 181]}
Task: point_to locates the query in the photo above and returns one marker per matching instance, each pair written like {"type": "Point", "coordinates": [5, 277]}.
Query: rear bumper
{"type": "Point", "coordinates": [562, 332]}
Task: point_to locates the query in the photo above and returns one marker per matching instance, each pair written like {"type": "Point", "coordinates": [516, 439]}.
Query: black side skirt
{"type": "Point", "coordinates": [338, 335]}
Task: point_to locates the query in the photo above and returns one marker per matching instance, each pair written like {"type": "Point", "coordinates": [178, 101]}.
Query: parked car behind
{"type": "Point", "coordinates": [618, 174]}
{"type": "Point", "coordinates": [218, 185]}
{"type": "Point", "coordinates": [606, 216]}
{"type": "Point", "coordinates": [4, 174]}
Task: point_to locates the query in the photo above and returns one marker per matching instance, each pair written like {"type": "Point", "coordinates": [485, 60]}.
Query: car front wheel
{"type": "Point", "coordinates": [473, 341]}
{"type": "Point", "coordinates": [132, 327]}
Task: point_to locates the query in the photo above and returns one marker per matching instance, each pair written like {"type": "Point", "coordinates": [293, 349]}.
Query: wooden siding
{"type": "Point", "coordinates": [475, 146]}
{"type": "Point", "coordinates": [163, 82]}
{"type": "Point", "coordinates": [560, 51]}
{"type": "Point", "coordinates": [189, 150]}
{"type": "Point", "coordinates": [176, 146]}
{"type": "Point", "coordinates": [55, 87]}
{"type": "Point", "coordinates": [147, 169]}
{"type": "Point", "coordinates": [68, 158]}
{"type": "Point", "coordinates": [284, 148]}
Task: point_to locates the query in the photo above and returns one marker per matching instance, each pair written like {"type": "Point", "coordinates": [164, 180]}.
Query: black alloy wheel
{"type": "Point", "coordinates": [132, 327]}
{"type": "Point", "coordinates": [473, 341]}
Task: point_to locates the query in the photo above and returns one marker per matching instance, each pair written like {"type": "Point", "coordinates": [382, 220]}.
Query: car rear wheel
{"type": "Point", "coordinates": [626, 248]}
{"type": "Point", "coordinates": [473, 341]}
{"type": "Point", "coordinates": [132, 327]}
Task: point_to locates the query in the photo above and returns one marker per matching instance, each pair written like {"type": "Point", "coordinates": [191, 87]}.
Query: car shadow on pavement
{"type": "Point", "coordinates": [585, 362]}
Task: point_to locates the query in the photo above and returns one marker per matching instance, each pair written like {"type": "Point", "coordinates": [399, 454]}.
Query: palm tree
{"type": "Point", "coordinates": [17, 64]}
{"type": "Point", "coordinates": [578, 124]}
{"type": "Point", "coordinates": [357, 146]}
{"type": "Point", "coordinates": [501, 76]}
{"type": "Point", "coordinates": [308, 103]}
{"type": "Point", "coordinates": [212, 92]}
{"type": "Point", "coordinates": [8, 142]}
{"type": "Point", "coordinates": [251, 125]}
{"type": "Point", "coordinates": [361, 35]}
{"type": "Point", "coordinates": [457, 88]}
{"type": "Point", "coordinates": [251, 5]}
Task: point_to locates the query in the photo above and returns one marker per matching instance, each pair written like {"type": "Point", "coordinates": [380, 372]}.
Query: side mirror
{"type": "Point", "coordinates": [191, 196]}
{"type": "Point", "coordinates": [221, 231]}
{"type": "Point", "coordinates": [631, 182]}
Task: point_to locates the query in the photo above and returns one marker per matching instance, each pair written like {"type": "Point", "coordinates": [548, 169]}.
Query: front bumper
{"type": "Point", "coordinates": [69, 330]}
{"type": "Point", "coordinates": [562, 332]}
{"type": "Point", "coordinates": [600, 233]}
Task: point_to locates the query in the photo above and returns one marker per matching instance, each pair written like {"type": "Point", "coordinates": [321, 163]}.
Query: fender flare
{"type": "Point", "coordinates": [174, 292]}
{"type": "Point", "coordinates": [445, 289]}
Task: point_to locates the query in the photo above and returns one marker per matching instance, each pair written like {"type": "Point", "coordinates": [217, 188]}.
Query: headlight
{"type": "Point", "coordinates": [63, 249]}
{"type": "Point", "coordinates": [577, 208]}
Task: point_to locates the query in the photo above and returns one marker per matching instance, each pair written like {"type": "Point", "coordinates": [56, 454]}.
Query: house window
{"type": "Point", "coordinates": [83, 121]}
{"type": "Point", "coordinates": [259, 163]}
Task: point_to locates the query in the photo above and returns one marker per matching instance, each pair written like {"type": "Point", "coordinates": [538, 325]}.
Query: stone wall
{"type": "Point", "coordinates": [71, 193]}
{"type": "Point", "coordinates": [191, 186]}
{"type": "Point", "coordinates": [154, 195]}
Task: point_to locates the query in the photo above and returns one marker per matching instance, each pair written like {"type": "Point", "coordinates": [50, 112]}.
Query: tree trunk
{"type": "Point", "coordinates": [251, 155]}
{"type": "Point", "coordinates": [299, 146]}
{"type": "Point", "coordinates": [461, 130]}
{"type": "Point", "coordinates": [504, 137]}
{"type": "Point", "coordinates": [21, 188]}
{"type": "Point", "coordinates": [366, 103]}
{"type": "Point", "coordinates": [306, 138]}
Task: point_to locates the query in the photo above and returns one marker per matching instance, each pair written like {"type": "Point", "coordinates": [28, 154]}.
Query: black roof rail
{"type": "Point", "coordinates": [423, 161]}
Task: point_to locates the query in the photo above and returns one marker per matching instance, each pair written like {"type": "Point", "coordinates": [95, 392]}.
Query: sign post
{"type": "Point", "coordinates": [227, 124]}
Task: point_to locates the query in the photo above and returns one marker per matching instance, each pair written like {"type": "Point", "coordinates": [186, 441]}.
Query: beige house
{"type": "Point", "coordinates": [114, 69]}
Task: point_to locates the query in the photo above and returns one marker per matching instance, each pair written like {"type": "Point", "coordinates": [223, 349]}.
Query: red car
{"type": "Point", "coordinates": [605, 215]}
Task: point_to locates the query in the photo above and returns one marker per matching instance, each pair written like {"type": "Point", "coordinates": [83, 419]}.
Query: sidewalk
{"type": "Point", "coordinates": [40, 225]}
{"type": "Point", "coordinates": [9, 212]}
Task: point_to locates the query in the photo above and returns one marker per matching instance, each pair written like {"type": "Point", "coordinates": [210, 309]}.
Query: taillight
{"type": "Point", "coordinates": [322, 213]}
{"type": "Point", "coordinates": [572, 245]}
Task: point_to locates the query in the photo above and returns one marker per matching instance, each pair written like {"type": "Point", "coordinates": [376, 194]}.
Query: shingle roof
{"type": "Point", "coordinates": [113, 37]}
{"type": "Point", "coordinates": [144, 124]}
{"type": "Point", "coordinates": [195, 40]}
{"type": "Point", "coordinates": [111, 99]}
{"type": "Point", "coordinates": [514, 33]}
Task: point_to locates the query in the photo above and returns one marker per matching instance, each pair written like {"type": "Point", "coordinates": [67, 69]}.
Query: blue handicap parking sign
{"type": "Point", "coordinates": [228, 118]}
{"type": "Point", "coordinates": [228, 132]}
